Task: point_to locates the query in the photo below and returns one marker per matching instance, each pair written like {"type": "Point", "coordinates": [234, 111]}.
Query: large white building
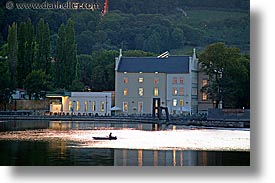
{"type": "Point", "coordinates": [171, 79]}
{"type": "Point", "coordinates": [81, 103]}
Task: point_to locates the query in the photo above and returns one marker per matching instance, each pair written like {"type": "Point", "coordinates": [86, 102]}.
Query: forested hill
{"type": "Point", "coordinates": [167, 7]}
{"type": "Point", "coordinates": [153, 26]}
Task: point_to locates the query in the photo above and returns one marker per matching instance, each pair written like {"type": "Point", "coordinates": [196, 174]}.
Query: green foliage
{"type": "Point", "coordinates": [6, 85]}
{"type": "Point", "coordinates": [228, 72]}
{"type": "Point", "coordinates": [37, 82]}
{"type": "Point", "coordinates": [66, 66]}
{"type": "Point", "coordinates": [12, 50]}
{"type": "Point", "coordinates": [25, 51]}
{"type": "Point", "coordinates": [42, 53]}
{"type": "Point", "coordinates": [131, 25]}
{"type": "Point", "coordinates": [77, 86]}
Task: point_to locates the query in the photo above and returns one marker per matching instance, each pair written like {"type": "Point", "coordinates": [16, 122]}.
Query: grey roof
{"type": "Point", "coordinates": [172, 64]}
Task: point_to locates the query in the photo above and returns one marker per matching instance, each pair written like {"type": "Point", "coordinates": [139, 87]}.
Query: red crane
{"type": "Point", "coordinates": [105, 9]}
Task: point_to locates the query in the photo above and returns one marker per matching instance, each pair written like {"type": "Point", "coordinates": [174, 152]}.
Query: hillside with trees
{"type": "Point", "coordinates": [74, 50]}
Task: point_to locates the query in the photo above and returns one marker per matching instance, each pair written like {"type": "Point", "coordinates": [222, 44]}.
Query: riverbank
{"type": "Point", "coordinates": [230, 123]}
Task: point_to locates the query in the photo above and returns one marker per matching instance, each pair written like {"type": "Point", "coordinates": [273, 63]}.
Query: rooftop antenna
{"type": "Point", "coordinates": [105, 9]}
{"type": "Point", "coordinates": [164, 55]}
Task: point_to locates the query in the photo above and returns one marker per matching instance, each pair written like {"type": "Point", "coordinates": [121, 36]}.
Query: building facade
{"type": "Point", "coordinates": [82, 103]}
{"type": "Point", "coordinates": [171, 79]}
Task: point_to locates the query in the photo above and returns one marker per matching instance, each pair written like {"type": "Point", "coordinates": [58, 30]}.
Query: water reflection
{"type": "Point", "coordinates": [71, 143]}
{"type": "Point", "coordinates": [59, 125]}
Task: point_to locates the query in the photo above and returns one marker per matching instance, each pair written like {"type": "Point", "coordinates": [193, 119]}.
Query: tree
{"type": "Point", "coordinates": [66, 60]}
{"type": "Point", "coordinates": [21, 65]}
{"type": "Point", "coordinates": [228, 72]}
{"type": "Point", "coordinates": [37, 82]}
{"type": "Point", "coordinates": [12, 53]}
{"type": "Point", "coordinates": [43, 46]}
{"type": "Point", "coordinates": [59, 58]}
{"type": "Point", "coordinates": [25, 51]}
{"type": "Point", "coordinates": [5, 86]}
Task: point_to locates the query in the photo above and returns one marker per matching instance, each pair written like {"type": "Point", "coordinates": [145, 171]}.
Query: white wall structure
{"type": "Point", "coordinates": [173, 79]}
{"type": "Point", "coordinates": [83, 103]}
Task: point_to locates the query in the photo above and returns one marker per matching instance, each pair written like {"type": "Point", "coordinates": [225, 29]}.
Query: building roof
{"type": "Point", "coordinates": [170, 65]}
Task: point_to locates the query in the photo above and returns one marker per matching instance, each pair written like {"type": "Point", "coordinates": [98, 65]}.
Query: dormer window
{"type": "Point", "coordinates": [175, 80]}
{"type": "Point", "coordinates": [140, 80]}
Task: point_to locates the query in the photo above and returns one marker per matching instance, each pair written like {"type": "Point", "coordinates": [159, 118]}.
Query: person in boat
{"type": "Point", "coordinates": [110, 135]}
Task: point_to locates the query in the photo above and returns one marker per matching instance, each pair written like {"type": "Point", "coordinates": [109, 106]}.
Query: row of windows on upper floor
{"type": "Point", "coordinates": [175, 91]}
{"type": "Point", "coordinates": [156, 80]}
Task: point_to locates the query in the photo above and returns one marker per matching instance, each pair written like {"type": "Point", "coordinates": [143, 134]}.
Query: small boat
{"type": "Point", "coordinates": [105, 138]}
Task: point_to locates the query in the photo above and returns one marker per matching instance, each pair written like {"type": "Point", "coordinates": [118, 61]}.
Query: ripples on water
{"type": "Point", "coordinates": [132, 138]}
{"type": "Point", "coordinates": [137, 143]}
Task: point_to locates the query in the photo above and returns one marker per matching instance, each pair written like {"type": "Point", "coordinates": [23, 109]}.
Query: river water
{"type": "Point", "coordinates": [71, 143]}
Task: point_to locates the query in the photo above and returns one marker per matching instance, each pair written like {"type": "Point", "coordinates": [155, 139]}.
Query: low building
{"type": "Point", "coordinates": [20, 94]}
{"type": "Point", "coordinates": [81, 103]}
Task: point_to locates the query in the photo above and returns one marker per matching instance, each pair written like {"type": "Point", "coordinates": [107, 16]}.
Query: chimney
{"type": "Point", "coordinates": [120, 52]}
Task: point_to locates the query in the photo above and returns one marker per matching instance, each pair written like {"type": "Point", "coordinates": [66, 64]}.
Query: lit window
{"type": "Point", "coordinates": [174, 80]}
{"type": "Point", "coordinates": [156, 80]}
{"type": "Point", "coordinates": [125, 80]}
{"type": "Point", "coordinates": [77, 105]}
{"type": "Point", "coordinates": [156, 92]}
{"type": "Point", "coordinates": [181, 80]}
{"type": "Point", "coordinates": [175, 91]}
{"type": "Point", "coordinates": [93, 105]}
{"type": "Point", "coordinates": [125, 92]}
{"type": "Point", "coordinates": [175, 102]}
{"type": "Point", "coordinates": [140, 91]}
{"type": "Point", "coordinates": [140, 107]}
{"type": "Point", "coordinates": [181, 102]}
{"type": "Point", "coordinates": [204, 96]}
{"type": "Point", "coordinates": [102, 106]}
{"type": "Point", "coordinates": [125, 106]}
{"type": "Point", "coordinates": [140, 80]}
{"type": "Point", "coordinates": [70, 105]}
{"type": "Point", "coordinates": [181, 91]}
{"type": "Point", "coordinates": [204, 82]}
{"type": "Point", "coordinates": [86, 105]}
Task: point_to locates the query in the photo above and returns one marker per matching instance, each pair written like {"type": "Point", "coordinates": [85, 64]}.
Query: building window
{"type": "Point", "coordinates": [102, 106]}
{"type": "Point", "coordinates": [86, 106]}
{"type": "Point", "coordinates": [125, 106]}
{"type": "Point", "coordinates": [181, 102]}
{"type": "Point", "coordinates": [125, 92]}
{"type": "Point", "coordinates": [93, 105]}
{"type": "Point", "coordinates": [204, 82]}
{"type": "Point", "coordinates": [140, 91]}
{"type": "Point", "coordinates": [125, 80]}
{"type": "Point", "coordinates": [70, 105]}
{"type": "Point", "coordinates": [140, 80]}
{"type": "Point", "coordinates": [140, 107]}
{"type": "Point", "coordinates": [175, 91]}
{"type": "Point", "coordinates": [181, 91]}
{"type": "Point", "coordinates": [204, 96]}
{"type": "Point", "coordinates": [77, 105]}
{"type": "Point", "coordinates": [181, 80]}
{"type": "Point", "coordinates": [175, 80]}
{"type": "Point", "coordinates": [175, 102]}
{"type": "Point", "coordinates": [156, 92]}
{"type": "Point", "coordinates": [156, 80]}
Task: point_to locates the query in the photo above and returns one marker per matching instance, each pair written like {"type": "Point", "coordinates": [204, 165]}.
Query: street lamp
{"type": "Point", "coordinates": [106, 106]}
{"type": "Point", "coordinates": [220, 87]}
